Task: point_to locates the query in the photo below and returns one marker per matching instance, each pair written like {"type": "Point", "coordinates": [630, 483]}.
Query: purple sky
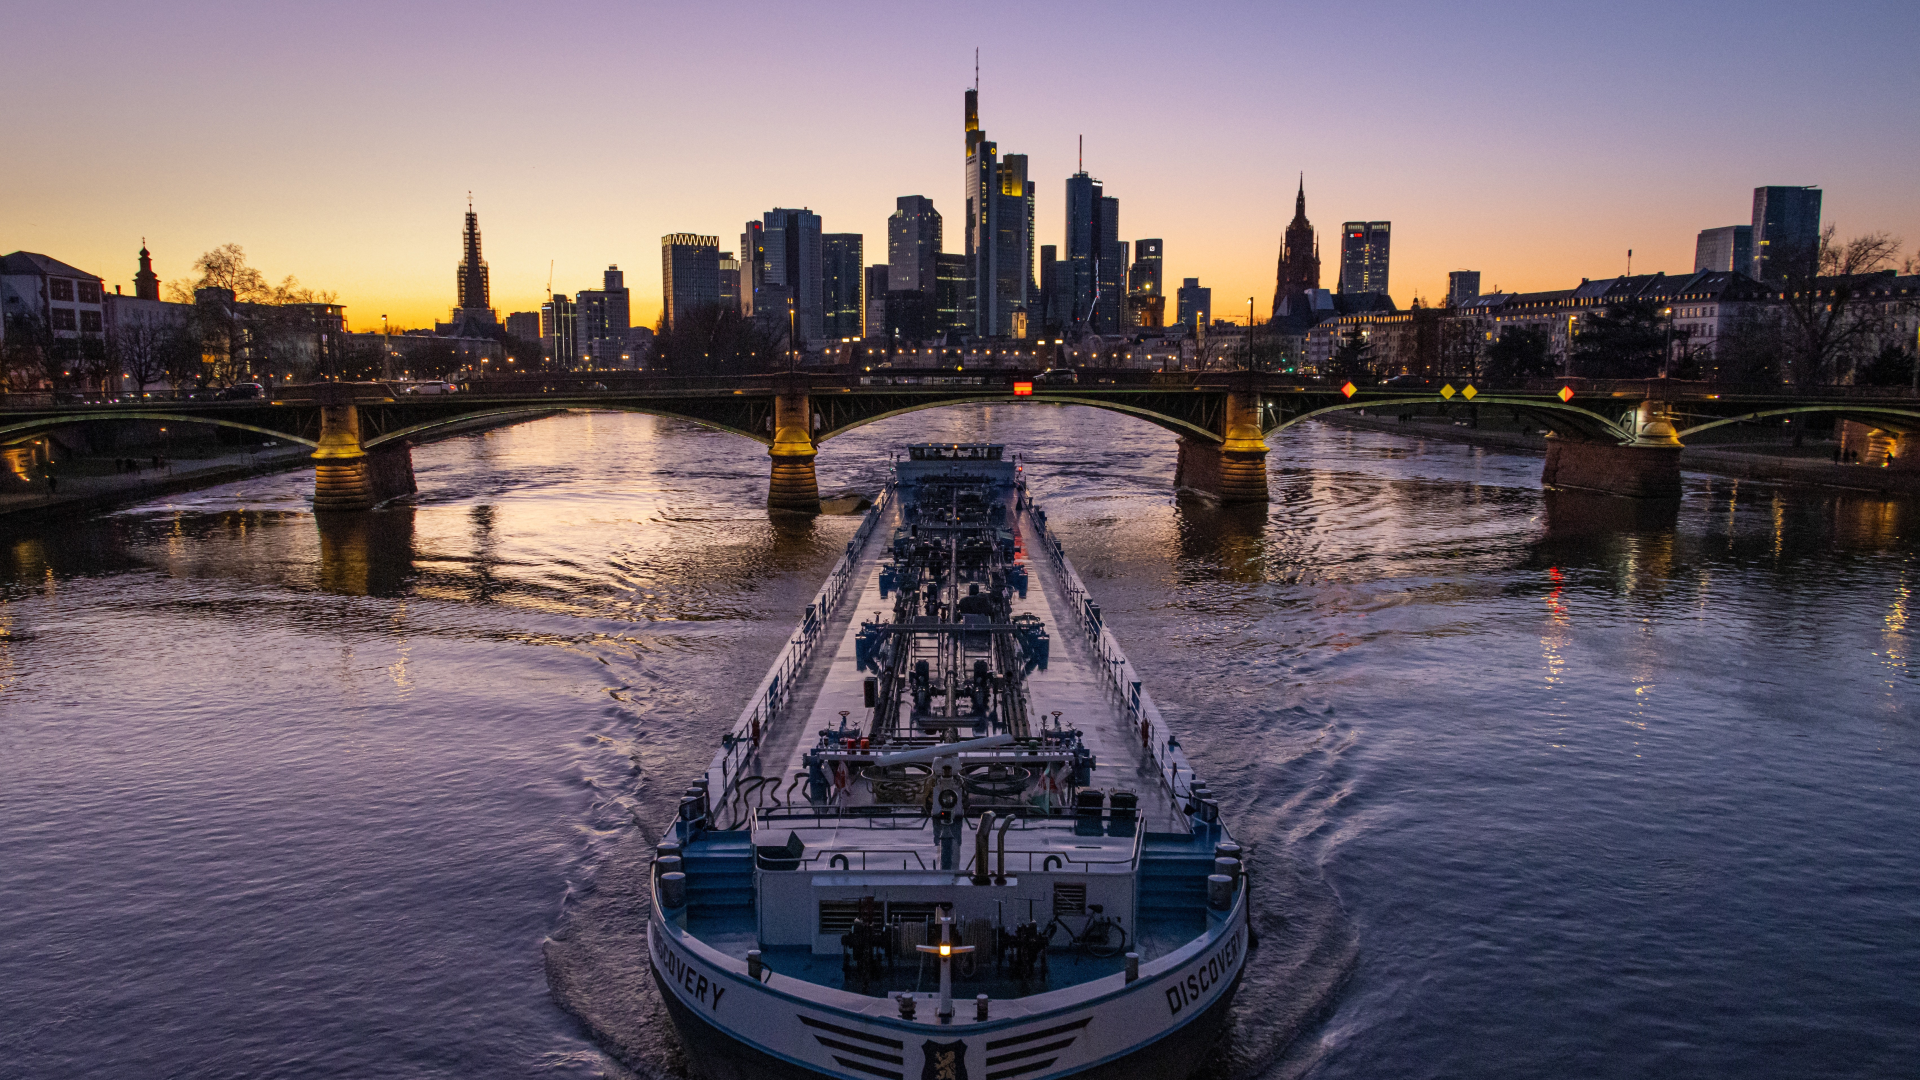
{"type": "Point", "coordinates": [1535, 143]}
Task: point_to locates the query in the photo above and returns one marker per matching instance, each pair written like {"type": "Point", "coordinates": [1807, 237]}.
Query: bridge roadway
{"type": "Point", "coordinates": [1621, 437]}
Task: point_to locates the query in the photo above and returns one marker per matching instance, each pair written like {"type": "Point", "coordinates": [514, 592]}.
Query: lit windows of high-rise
{"type": "Point", "coordinates": [1786, 226]}
{"type": "Point", "coordinates": [689, 274]}
{"type": "Point", "coordinates": [843, 283]}
{"type": "Point", "coordinates": [913, 244]}
{"type": "Point", "coordinates": [1463, 286]}
{"type": "Point", "coordinates": [603, 317]}
{"type": "Point", "coordinates": [793, 272]}
{"type": "Point", "coordinates": [999, 234]}
{"type": "Point", "coordinates": [1195, 304]}
{"type": "Point", "coordinates": [1363, 257]}
{"type": "Point", "coordinates": [1146, 298]}
{"type": "Point", "coordinates": [1726, 249]}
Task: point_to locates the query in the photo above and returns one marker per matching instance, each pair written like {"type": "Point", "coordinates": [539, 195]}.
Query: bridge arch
{"type": "Point", "coordinates": [1588, 424]}
{"type": "Point", "coordinates": [549, 408]}
{"type": "Point", "coordinates": [1885, 416]}
{"type": "Point", "coordinates": [1171, 423]}
{"type": "Point", "coordinates": [15, 433]}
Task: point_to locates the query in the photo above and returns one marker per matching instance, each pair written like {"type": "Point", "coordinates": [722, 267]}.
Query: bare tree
{"type": "Point", "coordinates": [225, 267]}
{"type": "Point", "coordinates": [1820, 289]}
{"type": "Point", "coordinates": [1212, 351]}
{"type": "Point", "coordinates": [139, 346]}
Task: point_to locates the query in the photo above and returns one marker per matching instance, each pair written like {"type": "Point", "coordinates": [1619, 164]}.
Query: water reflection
{"type": "Point", "coordinates": [1229, 541]}
{"type": "Point", "coordinates": [366, 554]}
{"type": "Point", "coordinates": [1580, 514]}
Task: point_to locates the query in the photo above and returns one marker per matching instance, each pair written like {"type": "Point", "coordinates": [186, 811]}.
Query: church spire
{"type": "Point", "coordinates": [146, 283]}
{"type": "Point", "coordinates": [472, 275]}
{"type": "Point", "coordinates": [1299, 270]}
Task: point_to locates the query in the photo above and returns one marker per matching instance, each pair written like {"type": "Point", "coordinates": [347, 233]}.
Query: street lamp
{"type": "Point", "coordinates": [1666, 361]}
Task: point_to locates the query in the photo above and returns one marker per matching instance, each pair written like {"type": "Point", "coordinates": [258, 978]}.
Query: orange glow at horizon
{"type": "Point", "coordinates": [1489, 142]}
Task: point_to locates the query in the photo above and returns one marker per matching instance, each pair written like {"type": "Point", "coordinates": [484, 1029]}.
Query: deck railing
{"type": "Point", "coordinates": [1122, 677]}
{"type": "Point", "coordinates": [742, 742]}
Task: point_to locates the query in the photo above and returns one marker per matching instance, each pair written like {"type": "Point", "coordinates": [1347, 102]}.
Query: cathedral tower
{"type": "Point", "coordinates": [473, 269]}
{"type": "Point", "coordinates": [1299, 254]}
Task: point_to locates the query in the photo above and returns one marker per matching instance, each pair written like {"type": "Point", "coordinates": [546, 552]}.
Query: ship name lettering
{"type": "Point", "coordinates": [1204, 976]}
{"type": "Point", "coordinates": [696, 984]}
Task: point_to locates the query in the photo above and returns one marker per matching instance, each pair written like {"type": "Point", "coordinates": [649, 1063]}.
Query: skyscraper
{"type": "Point", "coordinates": [913, 244]}
{"type": "Point", "coordinates": [557, 332]}
{"type": "Point", "coordinates": [729, 281]}
{"type": "Point", "coordinates": [524, 325]}
{"type": "Point", "coordinates": [1049, 319]}
{"type": "Point", "coordinates": [792, 270]}
{"type": "Point", "coordinates": [1195, 304]}
{"type": "Point", "coordinates": [1786, 224]}
{"type": "Point", "coordinates": [1299, 254]}
{"type": "Point", "coordinates": [1146, 299]}
{"type": "Point", "coordinates": [999, 234]}
{"type": "Point", "coordinates": [753, 269]}
{"type": "Point", "coordinates": [1728, 248]}
{"type": "Point", "coordinates": [1094, 277]}
{"type": "Point", "coordinates": [1363, 257]}
{"type": "Point", "coordinates": [689, 274]}
{"type": "Point", "coordinates": [1462, 286]}
{"type": "Point", "coordinates": [602, 319]}
{"type": "Point", "coordinates": [843, 282]}
{"type": "Point", "coordinates": [878, 276]}
{"type": "Point", "coordinates": [950, 294]}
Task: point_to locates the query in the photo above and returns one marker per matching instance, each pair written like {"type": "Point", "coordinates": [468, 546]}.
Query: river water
{"type": "Point", "coordinates": [1537, 786]}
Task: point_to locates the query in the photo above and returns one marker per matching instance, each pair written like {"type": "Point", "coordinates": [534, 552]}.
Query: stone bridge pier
{"type": "Point", "coordinates": [1233, 470]}
{"type": "Point", "coordinates": [1646, 468]}
{"type": "Point", "coordinates": [793, 487]}
{"type": "Point", "coordinates": [346, 475]}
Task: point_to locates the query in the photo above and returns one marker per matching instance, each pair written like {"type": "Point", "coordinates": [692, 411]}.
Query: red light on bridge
{"type": "Point", "coordinates": [1022, 389]}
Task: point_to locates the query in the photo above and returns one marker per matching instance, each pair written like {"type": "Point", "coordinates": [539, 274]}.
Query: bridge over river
{"type": "Point", "coordinates": [1621, 438]}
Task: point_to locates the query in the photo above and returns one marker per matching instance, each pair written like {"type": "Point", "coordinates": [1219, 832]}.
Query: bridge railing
{"type": "Point", "coordinates": [1123, 679]}
{"type": "Point", "coordinates": [740, 745]}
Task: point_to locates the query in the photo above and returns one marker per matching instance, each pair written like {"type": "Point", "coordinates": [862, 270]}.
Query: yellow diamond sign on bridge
{"type": "Point", "coordinates": [1565, 394]}
{"type": "Point", "coordinates": [1448, 391]}
{"type": "Point", "coordinates": [1349, 389]}
{"type": "Point", "coordinates": [1468, 392]}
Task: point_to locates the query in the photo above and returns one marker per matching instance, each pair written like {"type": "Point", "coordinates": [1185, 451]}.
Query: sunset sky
{"type": "Point", "coordinates": [338, 142]}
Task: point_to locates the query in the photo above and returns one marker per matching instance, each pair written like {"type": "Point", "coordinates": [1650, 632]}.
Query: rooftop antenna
{"type": "Point", "coordinates": [549, 281]}
{"type": "Point", "coordinates": [1083, 153]}
{"type": "Point", "coordinates": [976, 69]}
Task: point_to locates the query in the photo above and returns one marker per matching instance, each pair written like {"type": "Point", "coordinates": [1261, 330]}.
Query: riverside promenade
{"type": "Point", "coordinates": [1778, 462]}
{"type": "Point", "coordinates": [91, 484]}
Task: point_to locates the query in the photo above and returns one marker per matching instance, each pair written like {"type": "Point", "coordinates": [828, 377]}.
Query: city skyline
{"type": "Point", "coordinates": [346, 216]}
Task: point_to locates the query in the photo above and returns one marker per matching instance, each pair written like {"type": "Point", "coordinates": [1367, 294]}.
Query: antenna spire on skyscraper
{"type": "Point", "coordinates": [976, 69]}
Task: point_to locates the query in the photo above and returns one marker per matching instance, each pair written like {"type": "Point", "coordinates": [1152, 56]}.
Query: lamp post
{"type": "Point", "coordinates": [386, 350]}
{"type": "Point", "coordinates": [1666, 360]}
{"type": "Point", "coordinates": [1249, 333]}
{"type": "Point", "coordinates": [793, 358]}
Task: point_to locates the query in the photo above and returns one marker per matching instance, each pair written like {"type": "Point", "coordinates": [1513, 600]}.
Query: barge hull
{"type": "Point", "coordinates": [722, 1057]}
